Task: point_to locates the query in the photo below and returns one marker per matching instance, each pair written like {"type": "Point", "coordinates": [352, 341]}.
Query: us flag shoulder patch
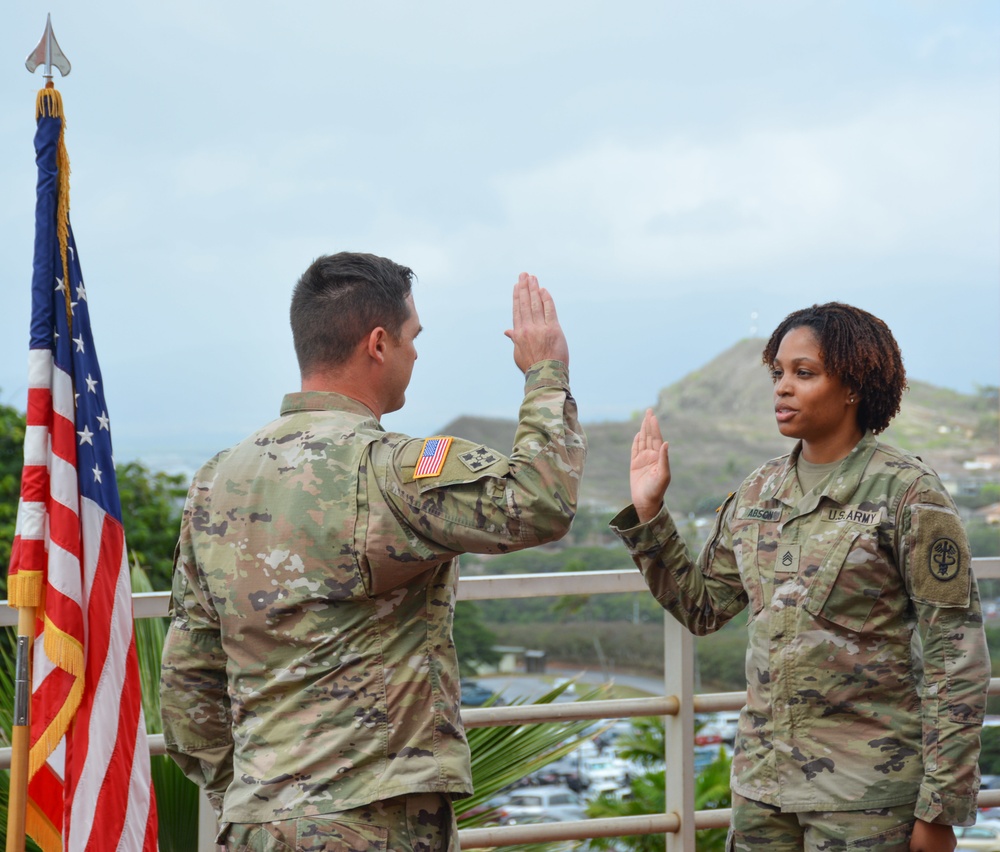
{"type": "Point", "coordinates": [432, 457]}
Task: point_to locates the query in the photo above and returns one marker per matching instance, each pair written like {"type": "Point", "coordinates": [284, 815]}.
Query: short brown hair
{"type": "Point", "coordinates": [339, 299]}
{"type": "Point", "coordinates": [859, 349]}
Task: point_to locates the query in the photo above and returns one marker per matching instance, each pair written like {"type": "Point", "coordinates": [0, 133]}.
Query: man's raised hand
{"type": "Point", "coordinates": [537, 335]}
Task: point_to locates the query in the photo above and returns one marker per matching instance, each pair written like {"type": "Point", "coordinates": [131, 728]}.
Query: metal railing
{"type": "Point", "coordinates": [678, 705]}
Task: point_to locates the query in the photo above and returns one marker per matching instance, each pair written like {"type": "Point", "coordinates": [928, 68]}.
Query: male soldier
{"type": "Point", "coordinates": [310, 684]}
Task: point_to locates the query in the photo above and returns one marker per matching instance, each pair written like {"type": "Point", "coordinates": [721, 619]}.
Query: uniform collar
{"type": "Point", "coordinates": [840, 486]}
{"type": "Point", "coordinates": [324, 401]}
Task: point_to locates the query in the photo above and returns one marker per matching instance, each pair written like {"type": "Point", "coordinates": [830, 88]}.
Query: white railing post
{"type": "Point", "coordinates": [208, 825]}
{"type": "Point", "coordinates": [678, 680]}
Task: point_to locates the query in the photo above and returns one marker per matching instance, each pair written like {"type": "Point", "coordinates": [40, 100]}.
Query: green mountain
{"type": "Point", "coordinates": [719, 421]}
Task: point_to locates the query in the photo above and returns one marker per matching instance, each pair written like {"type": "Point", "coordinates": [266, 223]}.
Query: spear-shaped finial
{"type": "Point", "coordinates": [48, 53]}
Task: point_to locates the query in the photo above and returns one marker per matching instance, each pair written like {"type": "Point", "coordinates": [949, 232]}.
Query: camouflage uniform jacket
{"type": "Point", "coordinates": [309, 667]}
{"type": "Point", "coordinates": [841, 713]}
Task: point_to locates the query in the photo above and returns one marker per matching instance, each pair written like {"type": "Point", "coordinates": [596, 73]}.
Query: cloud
{"type": "Point", "coordinates": [917, 173]}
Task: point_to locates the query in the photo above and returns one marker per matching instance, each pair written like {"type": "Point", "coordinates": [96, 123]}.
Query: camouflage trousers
{"type": "Point", "coordinates": [757, 826]}
{"type": "Point", "coordinates": [423, 822]}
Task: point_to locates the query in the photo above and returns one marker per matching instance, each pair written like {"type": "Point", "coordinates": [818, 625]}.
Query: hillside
{"type": "Point", "coordinates": [719, 420]}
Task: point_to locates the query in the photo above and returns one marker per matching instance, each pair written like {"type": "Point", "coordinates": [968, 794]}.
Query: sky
{"type": "Point", "coordinates": [679, 176]}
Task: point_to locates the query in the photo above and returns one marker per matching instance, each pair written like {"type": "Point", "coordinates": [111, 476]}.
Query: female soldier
{"type": "Point", "coordinates": [844, 550]}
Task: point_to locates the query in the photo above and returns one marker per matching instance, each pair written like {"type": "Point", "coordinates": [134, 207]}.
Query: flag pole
{"type": "Point", "coordinates": [49, 54]}
{"type": "Point", "coordinates": [17, 801]}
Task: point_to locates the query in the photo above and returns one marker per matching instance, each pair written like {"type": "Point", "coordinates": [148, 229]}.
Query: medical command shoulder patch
{"type": "Point", "coordinates": [432, 457]}
{"type": "Point", "coordinates": [940, 570]}
{"type": "Point", "coordinates": [944, 560]}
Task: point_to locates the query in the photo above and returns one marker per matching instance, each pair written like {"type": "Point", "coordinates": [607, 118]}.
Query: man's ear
{"type": "Point", "coordinates": [377, 343]}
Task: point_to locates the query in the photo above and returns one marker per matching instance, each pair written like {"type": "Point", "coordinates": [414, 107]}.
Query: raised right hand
{"type": "Point", "coordinates": [537, 334]}
{"type": "Point", "coordinates": [649, 472]}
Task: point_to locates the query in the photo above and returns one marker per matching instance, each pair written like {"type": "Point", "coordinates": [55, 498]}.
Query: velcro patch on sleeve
{"type": "Point", "coordinates": [432, 457]}
{"type": "Point", "coordinates": [479, 458]}
{"type": "Point", "coordinates": [939, 557]}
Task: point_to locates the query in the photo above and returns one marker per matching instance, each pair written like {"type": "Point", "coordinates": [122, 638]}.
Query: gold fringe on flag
{"type": "Point", "coordinates": [49, 104]}
{"type": "Point", "coordinates": [25, 589]}
{"type": "Point", "coordinates": [40, 829]}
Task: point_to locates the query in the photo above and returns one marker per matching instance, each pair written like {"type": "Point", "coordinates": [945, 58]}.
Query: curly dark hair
{"type": "Point", "coordinates": [859, 349]}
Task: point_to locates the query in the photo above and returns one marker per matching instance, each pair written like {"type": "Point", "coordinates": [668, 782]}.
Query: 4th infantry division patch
{"type": "Point", "coordinates": [432, 457]}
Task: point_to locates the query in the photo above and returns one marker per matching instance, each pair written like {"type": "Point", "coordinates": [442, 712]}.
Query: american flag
{"type": "Point", "coordinates": [90, 786]}
{"type": "Point", "coordinates": [432, 456]}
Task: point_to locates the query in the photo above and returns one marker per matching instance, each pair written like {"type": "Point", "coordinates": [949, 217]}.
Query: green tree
{"type": "Point", "coordinates": [988, 493]}
{"type": "Point", "coordinates": [473, 641]}
{"type": "Point", "coordinates": [12, 425]}
{"type": "Point", "coordinates": [984, 538]}
{"type": "Point", "coordinates": [151, 512]}
{"type": "Point", "coordinates": [989, 756]}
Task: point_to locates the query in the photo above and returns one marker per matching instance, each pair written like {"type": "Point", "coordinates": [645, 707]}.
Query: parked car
{"type": "Point", "coordinates": [717, 727]}
{"type": "Point", "coordinates": [555, 803]}
{"type": "Point", "coordinates": [566, 771]}
{"type": "Point", "coordinates": [615, 729]}
{"type": "Point", "coordinates": [705, 755]}
{"type": "Point", "coordinates": [605, 773]}
{"type": "Point", "coordinates": [491, 812]}
{"type": "Point", "coordinates": [981, 837]}
{"type": "Point", "coordinates": [476, 695]}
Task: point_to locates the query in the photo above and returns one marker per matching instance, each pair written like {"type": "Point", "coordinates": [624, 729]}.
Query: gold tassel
{"type": "Point", "coordinates": [25, 589]}
{"type": "Point", "coordinates": [49, 104]}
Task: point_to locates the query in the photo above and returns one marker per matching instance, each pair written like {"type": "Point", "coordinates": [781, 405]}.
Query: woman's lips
{"type": "Point", "coordinates": [783, 413]}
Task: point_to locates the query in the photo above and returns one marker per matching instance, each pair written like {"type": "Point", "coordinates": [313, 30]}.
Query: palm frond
{"type": "Point", "coordinates": [176, 795]}
{"type": "Point", "coordinates": [503, 755]}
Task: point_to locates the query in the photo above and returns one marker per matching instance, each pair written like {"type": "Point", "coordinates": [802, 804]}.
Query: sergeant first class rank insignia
{"type": "Point", "coordinates": [432, 457]}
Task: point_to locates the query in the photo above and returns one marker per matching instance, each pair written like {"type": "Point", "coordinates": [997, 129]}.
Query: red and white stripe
{"type": "Point", "coordinates": [91, 789]}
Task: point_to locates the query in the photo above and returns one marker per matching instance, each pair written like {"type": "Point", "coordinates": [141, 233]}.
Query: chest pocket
{"type": "Point", "coordinates": [745, 548]}
{"type": "Point", "coordinates": [848, 583]}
